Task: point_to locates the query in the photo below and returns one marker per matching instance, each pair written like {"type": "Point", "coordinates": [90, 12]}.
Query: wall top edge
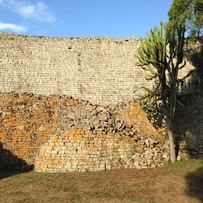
{"type": "Point", "coordinates": [52, 37]}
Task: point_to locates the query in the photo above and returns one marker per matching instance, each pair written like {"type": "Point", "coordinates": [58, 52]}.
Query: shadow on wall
{"type": "Point", "coordinates": [11, 165]}
{"type": "Point", "coordinates": [188, 126]}
{"type": "Point", "coordinates": [195, 184]}
{"type": "Point", "coordinates": [189, 129]}
{"type": "Point", "coordinates": [195, 56]}
{"type": "Point", "coordinates": [190, 123]}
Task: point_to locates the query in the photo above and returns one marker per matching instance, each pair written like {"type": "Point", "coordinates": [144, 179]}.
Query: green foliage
{"type": "Point", "coordinates": [196, 20]}
{"type": "Point", "coordinates": [161, 56]}
{"type": "Point", "coordinates": [187, 13]}
{"type": "Point", "coordinates": [148, 102]}
{"type": "Point", "coordinates": [179, 12]}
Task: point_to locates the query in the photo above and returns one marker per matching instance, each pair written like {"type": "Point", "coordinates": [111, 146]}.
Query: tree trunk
{"type": "Point", "coordinates": [171, 144]}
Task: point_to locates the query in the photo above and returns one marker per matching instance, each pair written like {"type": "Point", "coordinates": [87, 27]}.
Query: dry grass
{"type": "Point", "coordinates": [180, 182]}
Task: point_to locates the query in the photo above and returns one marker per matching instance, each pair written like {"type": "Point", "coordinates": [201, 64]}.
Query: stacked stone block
{"type": "Point", "coordinates": [100, 70]}
{"type": "Point", "coordinates": [44, 131]}
{"type": "Point", "coordinates": [80, 150]}
{"type": "Point", "coordinates": [40, 123]}
{"type": "Point", "coordinates": [188, 126]}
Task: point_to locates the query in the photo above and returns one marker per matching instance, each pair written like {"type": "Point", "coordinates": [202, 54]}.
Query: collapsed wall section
{"type": "Point", "coordinates": [59, 133]}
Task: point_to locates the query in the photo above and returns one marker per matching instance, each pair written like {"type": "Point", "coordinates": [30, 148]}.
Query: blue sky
{"type": "Point", "coordinates": [82, 18]}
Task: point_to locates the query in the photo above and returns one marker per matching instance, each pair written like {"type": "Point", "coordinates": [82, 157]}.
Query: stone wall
{"type": "Point", "coordinates": [100, 70]}
{"type": "Point", "coordinates": [189, 130]}
{"type": "Point", "coordinates": [59, 133]}
{"type": "Point", "coordinates": [102, 127]}
{"type": "Point", "coordinates": [80, 150]}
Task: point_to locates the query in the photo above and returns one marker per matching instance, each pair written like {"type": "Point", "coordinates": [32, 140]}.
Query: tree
{"type": "Point", "coordinates": [161, 55]}
{"type": "Point", "coordinates": [187, 13]}
{"type": "Point", "coordinates": [196, 21]}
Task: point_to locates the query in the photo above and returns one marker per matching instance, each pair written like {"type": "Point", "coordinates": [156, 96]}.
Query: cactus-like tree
{"type": "Point", "coordinates": [161, 55]}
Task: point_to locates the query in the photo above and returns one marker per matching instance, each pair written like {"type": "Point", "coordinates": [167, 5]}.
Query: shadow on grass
{"type": "Point", "coordinates": [195, 184]}
{"type": "Point", "coordinates": [11, 165]}
{"type": "Point", "coordinates": [190, 141]}
{"type": "Point", "coordinates": [10, 172]}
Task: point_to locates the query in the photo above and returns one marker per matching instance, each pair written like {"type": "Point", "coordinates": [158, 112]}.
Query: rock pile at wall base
{"type": "Point", "coordinates": [59, 133]}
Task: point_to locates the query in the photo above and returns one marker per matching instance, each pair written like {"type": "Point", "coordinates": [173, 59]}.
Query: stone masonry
{"type": "Point", "coordinates": [69, 104]}
{"type": "Point", "coordinates": [59, 133]}
{"type": "Point", "coordinates": [100, 70]}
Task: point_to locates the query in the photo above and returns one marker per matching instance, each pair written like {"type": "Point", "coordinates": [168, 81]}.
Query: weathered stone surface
{"type": "Point", "coordinates": [188, 126]}
{"type": "Point", "coordinates": [52, 134]}
{"type": "Point", "coordinates": [103, 124]}
{"type": "Point", "coordinates": [100, 70]}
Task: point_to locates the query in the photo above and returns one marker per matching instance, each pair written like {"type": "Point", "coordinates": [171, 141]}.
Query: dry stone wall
{"type": "Point", "coordinates": [100, 70]}
{"type": "Point", "coordinates": [80, 150]}
{"type": "Point", "coordinates": [59, 133]}
{"type": "Point", "coordinates": [41, 124]}
{"type": "Point", "coordinates": [188, 126]}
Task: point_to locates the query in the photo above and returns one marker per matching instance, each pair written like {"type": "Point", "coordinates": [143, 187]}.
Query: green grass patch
{"type": "Point", "coordinates": [186, 164]}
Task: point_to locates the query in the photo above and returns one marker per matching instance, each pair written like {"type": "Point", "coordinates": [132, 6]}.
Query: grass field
{"type": "Point", "coordinates": [181, 182]}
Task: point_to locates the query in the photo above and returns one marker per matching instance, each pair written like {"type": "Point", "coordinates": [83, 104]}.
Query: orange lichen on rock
{"type": "Point", "coordinates": [26, 123]}
{"type": "Point", "coordinates": [31, 123]}
{"type": "Point", "coordinates": [133, 115]}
